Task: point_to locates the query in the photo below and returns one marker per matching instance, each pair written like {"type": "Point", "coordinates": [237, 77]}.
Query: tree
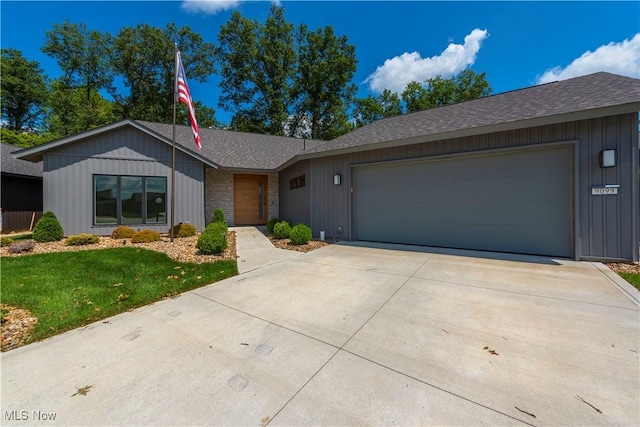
{"type": "Point", "coordinates": [323, 88]}
{"type": "Point", "coordinates": [281, 80]}
{"type": "Point", "coordinates": [370, 109]}
{"type": "Point", "coordinates": [24, 90]}
{"type": "Point", "coordinates": [74, 101]}
{"type": "Point", "coordinates": [438, 92]}
{"type": "Point", "coordinates": [143, 57]}
{"type": "Point", "coordinates": [415, 97]}
{"type": "Point", "coordinates": [257, 66]}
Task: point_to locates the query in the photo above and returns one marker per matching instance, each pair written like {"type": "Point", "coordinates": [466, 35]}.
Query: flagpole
{"type": "Point", "coordinates": [173, 151]}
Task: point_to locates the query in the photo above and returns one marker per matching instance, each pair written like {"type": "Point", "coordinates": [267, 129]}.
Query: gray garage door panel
{"type": "Point", "coordinates": [513, 202]}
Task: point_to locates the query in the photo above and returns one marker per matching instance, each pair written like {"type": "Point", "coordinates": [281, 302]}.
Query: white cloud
{"type": "Point", "coordinates": [396, 72]}
{"type": "Point", "coordinates": [210, 7]}
{"type": "Point", "coordinates": [619, 58]}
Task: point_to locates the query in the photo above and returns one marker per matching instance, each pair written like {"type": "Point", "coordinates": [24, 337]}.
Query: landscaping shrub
{"type": "Point", "coordinates": [82, 239]}
{"type": "Point", "coordinates": [213, 239]}
{"type": "Point", "coordinates": [300, 234]}
{"type": "Point", "coordinates": [218, 215]}
{"type": "Point", "coordinates": [123, 233]}
{"type": "Point", "coordinates": [218, 226]}
{"type": "Point", "coordinates": [48, 228]}
{"type": "Point", "coordinates": [6, 241]}
{"type": "Point", "coordinates": [271, 223]}
{"type": "Point", "coordinates": [21, 247]}
{"type": "Point", "coordinates": [184, 230]}
{"type": "Point", "coordinates": [145, 236]}
{"type": "Point", "coordinates": [281, 230]}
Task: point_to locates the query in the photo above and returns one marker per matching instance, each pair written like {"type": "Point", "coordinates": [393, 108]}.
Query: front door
{"type": "Point", "coordinates": [250, 199]}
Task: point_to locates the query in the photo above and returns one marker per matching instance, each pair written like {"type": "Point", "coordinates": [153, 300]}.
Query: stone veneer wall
{"type": "Point", "coordinates": [274, 195]}
{"type": "Point", "coordinates": [218, 193]}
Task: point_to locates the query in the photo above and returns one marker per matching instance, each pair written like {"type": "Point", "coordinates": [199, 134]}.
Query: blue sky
{"type": "Point", "coordinates": [518, 44]}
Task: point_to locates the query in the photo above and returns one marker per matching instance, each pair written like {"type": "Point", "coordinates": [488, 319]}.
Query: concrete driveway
{"type": "Point", "coordinates": [350, 335]}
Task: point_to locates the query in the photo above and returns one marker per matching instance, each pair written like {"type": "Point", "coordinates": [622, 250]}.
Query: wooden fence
{"type": "Point", "coordinates": [18, 220]}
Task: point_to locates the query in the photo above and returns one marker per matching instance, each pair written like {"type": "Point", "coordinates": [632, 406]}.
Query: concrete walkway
{"type": "Point", "coordinates": [350, 335]}
{"type": "Point", "coordinates": [255, 251]}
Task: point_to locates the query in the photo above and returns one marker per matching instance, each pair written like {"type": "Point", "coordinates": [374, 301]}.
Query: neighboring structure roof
{"type": "Point", "coordinates": [571, 99]}
{"type": "Point", "coordinates": [13, 166]}
{"type": "Point", "coordinates": [237, 150]}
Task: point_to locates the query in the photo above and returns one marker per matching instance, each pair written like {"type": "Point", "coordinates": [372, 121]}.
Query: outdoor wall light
{"type": "Point", "coordinates": [607, 158]}
{"type": "Point", "coordinates": [337, 179]}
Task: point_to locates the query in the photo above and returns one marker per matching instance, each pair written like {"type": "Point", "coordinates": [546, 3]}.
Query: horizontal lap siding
{"type": "Point", "coordinates": [68, 178]}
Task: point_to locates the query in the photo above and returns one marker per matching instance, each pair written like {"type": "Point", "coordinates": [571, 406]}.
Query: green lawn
{"type": "Point", "coordinates": [71, 289]}
{"type": "Point", "coordinates": [632, 278]}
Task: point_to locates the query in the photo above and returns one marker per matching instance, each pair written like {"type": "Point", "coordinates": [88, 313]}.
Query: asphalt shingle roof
{"type": "Point", "coordinates": [10, 164]}
{"type": "Point", "coordinates": [589, 92]}
{"type": "Point", "coordinates": [237, 150]}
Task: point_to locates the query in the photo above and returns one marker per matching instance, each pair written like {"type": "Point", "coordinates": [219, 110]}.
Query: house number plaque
{"type": "Point", "coordinates": [606, 190]}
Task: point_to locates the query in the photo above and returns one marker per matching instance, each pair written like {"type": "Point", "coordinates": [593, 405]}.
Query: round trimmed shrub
{"type": "Point", "coordinates": [184, 230]}
{"type": "Point", "coordinates": [213, 239]}
{"type": "Point", "coordinates": [6, 241]}
{"type": "Point", "coordinates": [145, 236]}
{"type": "Point", "coordinates": [281, 230]}
{"type": "Point", "coordinates": [123, 233]}
{"type": "Point", "coordinates": [271, 223]}
{"type": "Point", "coordinates": [82, 239]}
{"type": "Point", "coordinates": [300, 234]}
{"type": "Point", "coordinates": [48, 229]}
{"type": "Point", "coordinates": [218, 215]}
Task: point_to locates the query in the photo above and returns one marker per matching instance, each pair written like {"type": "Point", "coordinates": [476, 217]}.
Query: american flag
{"type": "Point", "coordinates": [184, 96]}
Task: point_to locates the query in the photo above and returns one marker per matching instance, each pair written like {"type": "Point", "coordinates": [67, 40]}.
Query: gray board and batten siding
{"type": "Point", "coordinates": [124, 151]}
{"type": "Point", "coordinates": [602, 227]}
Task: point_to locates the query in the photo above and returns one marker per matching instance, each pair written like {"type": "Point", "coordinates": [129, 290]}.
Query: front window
{"type": "Point", "coordinates": [129, 200]}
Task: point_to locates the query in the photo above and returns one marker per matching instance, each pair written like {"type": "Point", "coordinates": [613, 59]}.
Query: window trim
{"type": "Point", "coordinates": [297, 182]}
{"type": "Point", "coordinates": [118, 199]}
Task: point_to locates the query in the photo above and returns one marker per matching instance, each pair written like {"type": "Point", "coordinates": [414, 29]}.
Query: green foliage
{"type": "Point", "coordinates": [370, 109]}
{"type": "Point", "coordinates": [6, 241]}
{"type": "Point", "coordinates": [300, 234]}
{"type": "Point", "coordinates": [213, 239]}
{"type": "Point", "coordinates": [67, 290]}
{"type": "Point", "coordinates": [271, 223]}
{"type": "Point", "coordinates": [146, 236]}
{"type": "Point", "coordinates": [281, 230]}
{"type": "Point", "coordinates": [218, 215]}
{"type": "Point", "coordinates": [22, 247]}
{"type": "Point", "coordinates": [323, 87]}
{"type": "Point", "coordinates": [280, 80]}
{"type": "Point", "coordinates": [143, 57]}
{"type": "Point", "coordinates": [48, 229]}
{"type": "Point", "coordinates": [82, 239]}
{"type": "Point", "coordinates": [123, 233]}
{"type": "Point", "coordinates": [438, 92]}
{"type": "Point", "coordinates": [23, 90]}
{"type": "Point", "coordinates": [24, 139]}
{"type": "Point", "coordinates": [184, 230]}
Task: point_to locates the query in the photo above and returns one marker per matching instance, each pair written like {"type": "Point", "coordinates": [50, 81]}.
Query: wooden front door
{"type": "Point", "coordinates": [250, 195]}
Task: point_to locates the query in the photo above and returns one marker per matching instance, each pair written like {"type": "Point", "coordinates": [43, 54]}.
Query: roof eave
{"type": "Point", "coordinates": [479, 130]}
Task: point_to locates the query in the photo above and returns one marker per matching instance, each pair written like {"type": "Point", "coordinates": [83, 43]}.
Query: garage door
{"type": "Point", "coordinates": [516, 202]}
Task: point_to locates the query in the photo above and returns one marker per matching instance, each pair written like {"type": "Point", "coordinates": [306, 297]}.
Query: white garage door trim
{"type": "Point", "coordinates": [384, 206]}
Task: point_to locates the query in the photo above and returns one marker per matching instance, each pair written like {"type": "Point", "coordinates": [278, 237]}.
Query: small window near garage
{"type": "Point", "coordinates": [297, 182]}
{"type": "Point", "coordinates": [129, 200]}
